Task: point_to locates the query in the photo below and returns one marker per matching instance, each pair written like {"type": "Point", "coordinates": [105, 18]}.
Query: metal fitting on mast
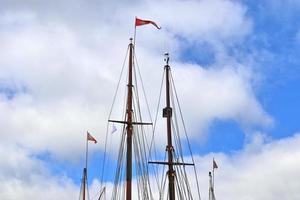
{"type": "Point", "coordinates": [167, 58]}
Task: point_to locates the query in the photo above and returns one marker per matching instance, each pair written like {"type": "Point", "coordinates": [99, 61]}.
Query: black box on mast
{"type": "Point", "coordinates": [167, 112]}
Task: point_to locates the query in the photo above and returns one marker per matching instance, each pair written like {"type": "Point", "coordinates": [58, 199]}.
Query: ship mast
{"type": "Point", "coordinates": [129, 125]}
{"type": "Point", "coordinates": [211, 193]}
{"type": "Point", "coordinates": [167, 113]}
{"type": "Point", "coordinates": [84, 182]}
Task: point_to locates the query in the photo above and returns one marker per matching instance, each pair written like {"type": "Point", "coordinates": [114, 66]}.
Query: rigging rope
{"type": "Point", "coordinates": [141, 146]}
{"type": "Point", "coordinates": [114, 99]}
{"type": "Point", "coordinates": [186, 136]}
{"type": "Point", "coordinates": [152, 143]}
{"type": "Point", "coordinates": [142, 150]}
{"type": "Point", "coordinates": [183, 189]}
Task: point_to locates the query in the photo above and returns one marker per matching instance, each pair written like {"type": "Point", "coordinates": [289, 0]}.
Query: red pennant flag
{"type": "Point", "coordinates": [90, 137]}
{"type": "Point", "coordinates": [215, 166]}
{"type": "Point", "coordinates": [141, 22]}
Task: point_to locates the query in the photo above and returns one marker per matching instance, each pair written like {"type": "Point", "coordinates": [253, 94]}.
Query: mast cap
{"type": "Point", "coordinates": [167, 58]}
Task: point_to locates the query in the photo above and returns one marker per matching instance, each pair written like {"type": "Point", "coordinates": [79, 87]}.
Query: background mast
{"type": "Point", "coordinates": [167, 112]}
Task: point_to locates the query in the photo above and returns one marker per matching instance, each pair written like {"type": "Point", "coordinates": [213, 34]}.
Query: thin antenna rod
{"type": "Point", "coordinates": [85, 169]}
{"type": "Point", "coordinates": [84, 182]}
{"type": "Point", "coordinates": [134, 37]}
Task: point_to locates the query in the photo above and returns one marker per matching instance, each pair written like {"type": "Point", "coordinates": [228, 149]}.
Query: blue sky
{"type": "Point", "coordinates": [236, 67]}
{"type": "Point", "coordinates": [278, 26]}
{"type": "Point", "coordinates": [275, 46]}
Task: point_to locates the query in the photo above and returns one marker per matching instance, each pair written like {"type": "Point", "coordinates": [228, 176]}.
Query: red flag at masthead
{"type": "Point", "coordinates": [90, 137]}
{"type": "Point", "coordinates": [141, 22]}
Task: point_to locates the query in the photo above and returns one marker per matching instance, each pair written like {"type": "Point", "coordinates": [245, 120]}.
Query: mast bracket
{"type": "Point", "coordinates": [167, 112]}
{"type": "Point", "coordinates": [170, 163]}
{"type": "Point", "coordinates": [170, 148]}
{"type": "Point", "coordinates": [133, 123]}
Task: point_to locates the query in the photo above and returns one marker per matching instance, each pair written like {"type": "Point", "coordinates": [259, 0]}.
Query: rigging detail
{"type": "Point", "coordinates": [133, 150]}
{"type": "Point", "coordinates": [178, 184]}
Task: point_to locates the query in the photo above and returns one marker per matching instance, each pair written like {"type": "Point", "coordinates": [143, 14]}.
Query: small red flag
{"type": "Point", "coordinates": [215, 166]}
{"type": "Point", "coordinates": [90, 137]}
{"type": "Point", "coordinates": [141, 22]}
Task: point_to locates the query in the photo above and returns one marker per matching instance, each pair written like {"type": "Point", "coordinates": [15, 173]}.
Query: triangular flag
{"type": "Point", "coordinates": [141, 22]}
{"type": "Point", "coordinates": [114, 129]}
{"type": "Point", "coordinates": [90, 137]}
{"type": "Point", "coordinates": [215, 166]}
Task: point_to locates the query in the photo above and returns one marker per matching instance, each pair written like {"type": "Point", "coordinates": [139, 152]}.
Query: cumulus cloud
{"type": "Point", "coordinates": [60, 62]}
{"type": "Point", "coordinates": [220, 93]}
{"type": "Point", "coordinates": [67, 74]}
{"type": "Point", "coordinates": [201, 22]}
{"type": "Point", "coordinates": [263, 170]}
{"type": "Point", "coordinates": [252, 173]}
{"type": "Point", "coordinates": [24, 176]}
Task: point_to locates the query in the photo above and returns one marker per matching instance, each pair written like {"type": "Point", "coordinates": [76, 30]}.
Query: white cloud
{"type": "Point", "coordinates": [68, 73]}
{"type": "Point", "coordinates": [24, 176]}
{"type": "Point", "coordinates": [223, 93]}
{"type": "Point", "coordinates": [217, 19]}
{"type": "Point", "coordinates": [270, 172]}
{"type": "Point", "coordinates": [66, 64]}
{"type": "Point", "coordinates": [264, 171]}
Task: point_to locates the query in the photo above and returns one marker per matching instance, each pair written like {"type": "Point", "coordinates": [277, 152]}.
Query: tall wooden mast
{"type": "Point", "coordinates": [129, 127]}
{"type": "Point", "coordinates": [129, 123]}
{"type": "Point", "coordinates": [167, 113]}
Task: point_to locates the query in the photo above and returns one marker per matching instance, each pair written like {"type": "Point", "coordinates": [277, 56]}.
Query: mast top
{"type": "Point", "coordinates": [167, 58]}
{"type": "Point", "coordinates": [130, 39]}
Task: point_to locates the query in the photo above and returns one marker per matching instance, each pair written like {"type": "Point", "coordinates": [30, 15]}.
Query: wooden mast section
{"type": "Point", "coordinates": [129, 127]}
{"type": "Point", "coordinates": [129, 123]}
{"type": "Point", "coordinates": [84, 182]}
{"type": "Point", "coordinates": [167, 113]}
